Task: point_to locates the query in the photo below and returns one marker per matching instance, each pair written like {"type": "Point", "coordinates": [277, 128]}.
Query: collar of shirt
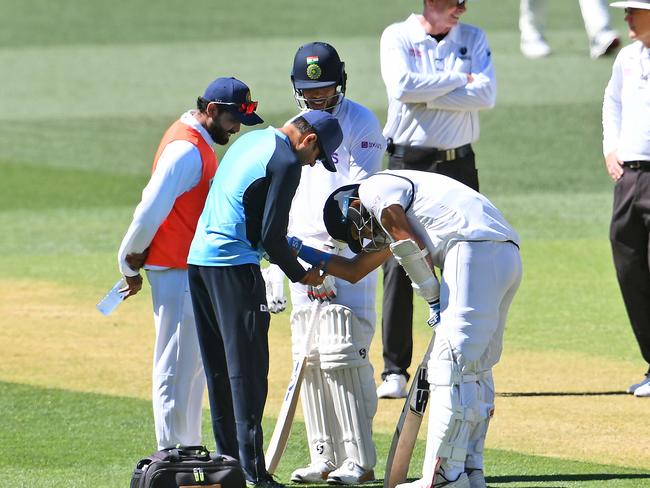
{"type": "Point", "coordinates": [189, 119]}
{"type": "Point", "coordinates": [419, 35]}
{"type": "Point", "coordinates": [281, 135]}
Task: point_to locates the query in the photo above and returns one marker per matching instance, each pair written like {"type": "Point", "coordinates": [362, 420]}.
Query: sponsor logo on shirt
{"type": "Point", "coordinates": [370, 145]}
{"type": "Point", "coordinates": [416, 53]}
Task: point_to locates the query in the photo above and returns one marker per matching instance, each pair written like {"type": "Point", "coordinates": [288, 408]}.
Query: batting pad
{"type": "Point", "coordinates": [343, 342]}
{"type": "Point", "coordinates": [453, 410]}
{"type": "Point", "coordinates": [479, 430]}
{"type": "Point", "coordinates": [316, 402]}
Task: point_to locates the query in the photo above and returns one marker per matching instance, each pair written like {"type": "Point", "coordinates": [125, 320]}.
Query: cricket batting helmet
{"type": "Point", "coordinates": [317, 65]}
{"type": "Point", "coordinates": [347, 223]}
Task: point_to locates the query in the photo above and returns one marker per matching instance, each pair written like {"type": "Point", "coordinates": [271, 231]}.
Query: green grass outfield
{"type": "Point", "coordinates": [88, 88]}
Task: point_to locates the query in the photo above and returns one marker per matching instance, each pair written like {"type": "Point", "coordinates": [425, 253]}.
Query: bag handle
{"type": "Point", "coordinates": [181, 452]}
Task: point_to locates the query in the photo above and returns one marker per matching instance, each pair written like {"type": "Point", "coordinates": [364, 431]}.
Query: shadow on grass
{"type": "Point", "coordinates": [547, 478]}
{"type": "Point", "coordinates": [544, 478]}
{"type": "Point", "coordinates": [560, 393]}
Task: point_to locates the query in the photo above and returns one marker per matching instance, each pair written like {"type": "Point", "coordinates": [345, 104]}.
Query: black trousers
{"type": "Point", "coordinates": [628, 235]}
{"type": "Point", "coordinates": [397, 306]}
{"type": "Point", "coordinates": [232, 323]}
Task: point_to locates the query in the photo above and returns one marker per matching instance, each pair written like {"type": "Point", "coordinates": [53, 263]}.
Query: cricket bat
{"type": "Point", "coordinates": [406, 432]}
{"type": "Point", "coordinates": [282, 430]}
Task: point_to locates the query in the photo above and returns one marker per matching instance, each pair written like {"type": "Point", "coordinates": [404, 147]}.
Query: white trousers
{"type": "Point", "coordinates": [479, 282]}
{"type": "Point", "coordinates": [532, 18]}
{"type": "Point", "coordinates": [178, 380]}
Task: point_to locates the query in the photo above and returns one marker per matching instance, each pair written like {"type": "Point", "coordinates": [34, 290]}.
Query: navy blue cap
{"type": "Point", "coordinates": [317, 65]}
{"type": "Point", "coordinates": [235, 96]}
{"type": "Point", "coordinates": [329, 134]}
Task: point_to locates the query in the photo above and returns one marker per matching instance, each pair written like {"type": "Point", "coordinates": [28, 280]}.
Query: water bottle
{"type": "Point", "coordinates": [113, 298]}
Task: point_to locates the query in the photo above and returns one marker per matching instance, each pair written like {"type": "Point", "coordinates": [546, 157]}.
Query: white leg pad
{"type": "Point", "coordinates": [315, 398]}
{"type": "Point", "coordinates": [479, 430]}
{"type": "Point", "coordinates": [343, 344]}
{"type": "Point", "coordinates": [452, 410]}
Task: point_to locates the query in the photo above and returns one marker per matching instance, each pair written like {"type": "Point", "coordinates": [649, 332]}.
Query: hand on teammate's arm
{"type": "Point", "coordinates": [614, 166]}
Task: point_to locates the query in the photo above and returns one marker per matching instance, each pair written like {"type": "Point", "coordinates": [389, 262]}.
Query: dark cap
{"type": "Point", "coordinates": [335, 216]}
{"type": "Point", "coordinates": [235, 96]}
{"type": "Point", "coordinates": [317, 65]}
{"type": "Point", "coordinates": [329, 134]}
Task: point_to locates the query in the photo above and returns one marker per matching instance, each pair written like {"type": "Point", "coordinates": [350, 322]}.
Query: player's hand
{"type": "Point", "coordinates": [312, 277]}
{"type": "Point", "coordinates": [133, 285]}
{"type": "Point", "coordinates": [614, 166]}
{"type": "Point", "coordinates": [274, 281]}
{"type": "Point", "coordinates": [434, 313]}
{"type": "Point", "coordinates": [323, 293]}
{"type": "Point", "coordinates": [136, 260]}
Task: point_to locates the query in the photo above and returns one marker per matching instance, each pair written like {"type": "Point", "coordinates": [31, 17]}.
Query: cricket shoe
{"type": "Point", "coordinates": [635, 386]}
{"type": "Point", "coordinates": [476, 478]}
{"type": "Point", "coordinates": [350, 473]}
{"type": "Point", "coordinates": [439, 482]}
{"type": "Point", "coordinates": [603, 44]}
{"type": "Point", "coordinates": [266, 481]}
{"type": "Point", "coordinates": [393, 386]}
{"type": "Point", "coordinates": [316, 472]}
{"type": "Point", "coordinates": [643, 390]}
{"type": "Point", "coordinates": [535, 48]}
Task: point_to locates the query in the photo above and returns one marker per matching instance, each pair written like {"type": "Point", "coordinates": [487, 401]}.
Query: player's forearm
{"type": "Point", "coordinates": [351, 270]}
{"type": "Point", "coordinates": [358, 267]}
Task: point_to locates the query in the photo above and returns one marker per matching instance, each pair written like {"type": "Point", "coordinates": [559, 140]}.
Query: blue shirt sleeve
{"type": "Point", "coordinates": [283, 171]}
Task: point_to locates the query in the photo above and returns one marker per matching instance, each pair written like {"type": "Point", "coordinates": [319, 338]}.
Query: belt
{"type": "Point", "coordinates": [430, 152]}
{"type": "Point", "coordinates": [642, 165]}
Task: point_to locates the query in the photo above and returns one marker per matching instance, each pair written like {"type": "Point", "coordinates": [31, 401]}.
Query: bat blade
{"type": "Point", "coordinates": [408, 425]}
{"type": "Point", "coordinates": [283, 425]}
{"type": "Point", "coordinates": [282, 429]}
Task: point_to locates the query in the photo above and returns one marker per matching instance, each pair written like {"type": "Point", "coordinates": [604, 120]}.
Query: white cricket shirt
{"type": "Point", "coordinates": [441, 210]}
{"type": "Point", "coordinates": [359, 155]}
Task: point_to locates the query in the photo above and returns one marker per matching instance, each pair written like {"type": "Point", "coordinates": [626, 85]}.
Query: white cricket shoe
{"type": "Point", "coordinates": [350, 473]}
{"type": "Point", "coordinates": [635, 386]}
{"type": "Point", "coordinates": [535, 48]}
{"type": "Point", "coordinates": [603, 44]}
{"type": "Point", "coordinates": [316, 472]}
{"type": "Point", "coordinates": [393, 386]}
{"type": "Point", "coordinates": [476, 478]}
{"type": "Point", "coordinates": [441, 482]}
{"type": "Point", "coordinates": [643, 390]}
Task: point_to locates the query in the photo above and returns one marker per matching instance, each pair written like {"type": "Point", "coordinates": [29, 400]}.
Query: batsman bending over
{"type": "Point", "coordinates": [429, 220]}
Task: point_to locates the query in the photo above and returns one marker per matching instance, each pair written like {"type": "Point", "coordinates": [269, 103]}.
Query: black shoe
{"type": "Point", "coordinates": [266, 482]}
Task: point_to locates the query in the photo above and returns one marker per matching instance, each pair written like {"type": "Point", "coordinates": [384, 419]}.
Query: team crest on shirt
{"type": "Point", "coordinates": [416, 53]}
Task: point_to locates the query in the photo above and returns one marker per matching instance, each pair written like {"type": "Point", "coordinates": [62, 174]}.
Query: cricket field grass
{"type": "Point", "coordinates": [88, 88]}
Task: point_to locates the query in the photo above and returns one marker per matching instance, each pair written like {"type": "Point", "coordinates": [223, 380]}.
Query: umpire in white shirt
{"type": "Point", "coordinates": [626, 146]}
{"type": "Point", "coordinates": [438, 74]}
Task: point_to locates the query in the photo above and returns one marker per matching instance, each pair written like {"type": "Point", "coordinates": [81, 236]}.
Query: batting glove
{"type": "Point", "coordinates": [274, 281]}
{"type": "Point", "coordinates": [325, 292]}
{"type": "Point", "coordinates": [434, 313]}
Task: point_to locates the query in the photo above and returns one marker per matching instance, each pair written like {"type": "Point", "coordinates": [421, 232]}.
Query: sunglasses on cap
{"type": "Point", "coordinates": [246, 108]}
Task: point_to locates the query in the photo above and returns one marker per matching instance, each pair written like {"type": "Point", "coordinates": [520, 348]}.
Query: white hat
{"type": "Point", "coordinates": [644, 4]}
